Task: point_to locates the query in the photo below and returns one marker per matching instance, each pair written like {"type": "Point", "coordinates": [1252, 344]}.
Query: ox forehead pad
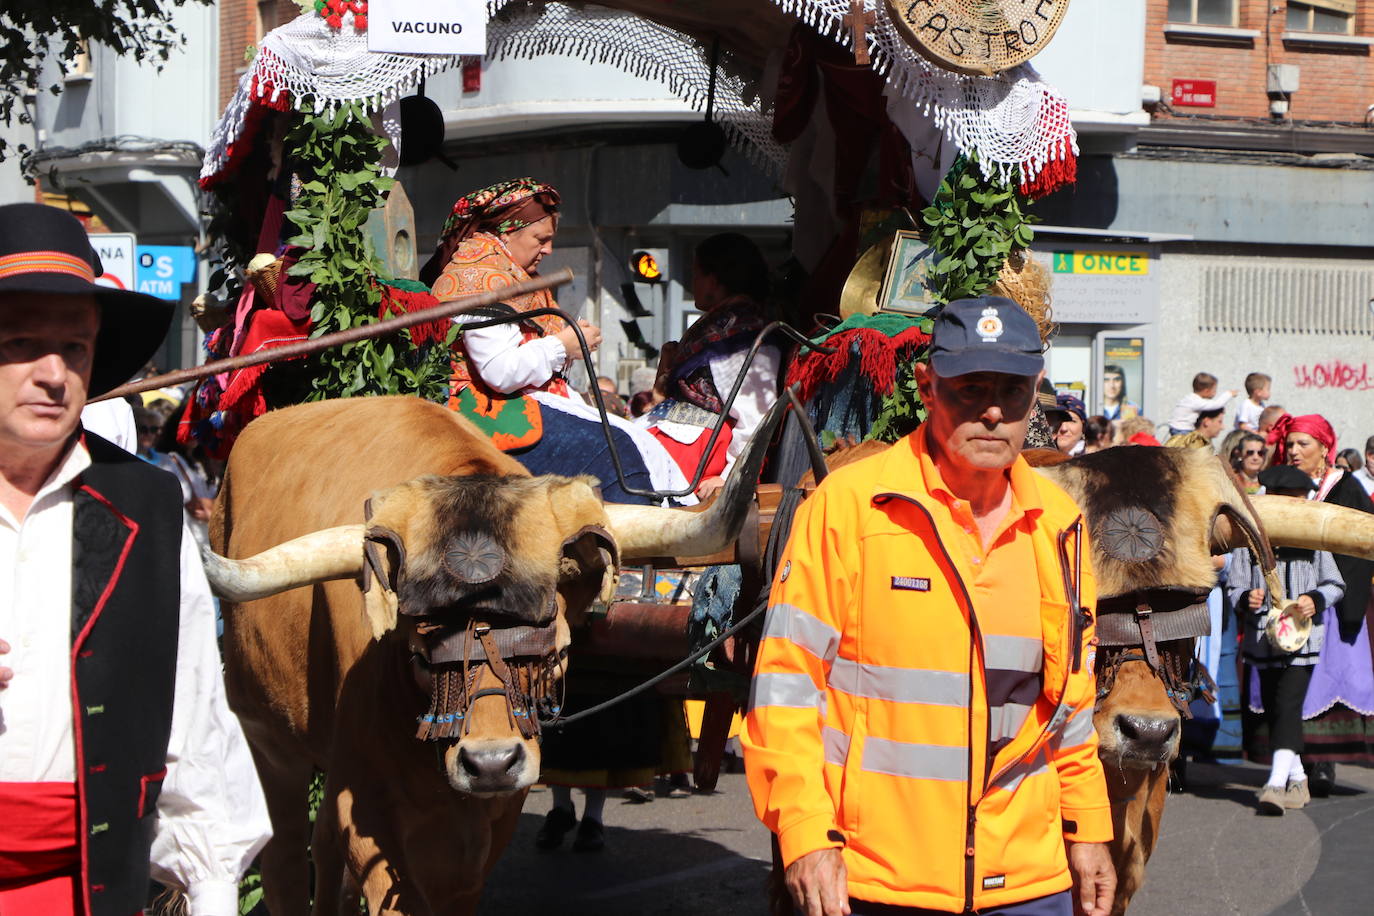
{"type": "Point", "coordinates": [1131, 534]}
{"type": "Point", "coordinates": [474, 558]}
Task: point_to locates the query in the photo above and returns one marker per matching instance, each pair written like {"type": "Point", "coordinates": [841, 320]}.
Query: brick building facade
{"type": "Point", "coordinates": [1233, 42]}
{"type": "Point", "coordinates": [243, 23]}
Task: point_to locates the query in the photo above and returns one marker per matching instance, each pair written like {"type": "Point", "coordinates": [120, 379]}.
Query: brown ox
{"type": "Point", "coordinates": [470, 570]}
{"type": "Point", "coordinates": [1156, 517]}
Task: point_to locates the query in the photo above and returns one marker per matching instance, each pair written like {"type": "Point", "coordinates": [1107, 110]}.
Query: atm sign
{"type": "Point", "coordinates": [1101, 262]}
{"type": "Point", "coordinates": [1195, 93]}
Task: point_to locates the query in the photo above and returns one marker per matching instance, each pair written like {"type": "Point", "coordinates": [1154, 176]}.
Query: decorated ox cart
{"type": "Point", "coordinates": [911, 137]}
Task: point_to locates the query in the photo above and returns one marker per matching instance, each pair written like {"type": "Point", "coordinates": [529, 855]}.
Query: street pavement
{"type": "Point", "coordinates": [708, 855]}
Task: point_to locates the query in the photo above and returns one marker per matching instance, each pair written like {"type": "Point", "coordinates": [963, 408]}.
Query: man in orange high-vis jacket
{"type": "Point", "coordinates": [919, 734]}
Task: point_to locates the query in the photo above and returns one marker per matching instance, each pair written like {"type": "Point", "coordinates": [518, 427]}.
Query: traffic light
{"type": "Point", "coordinates": [645, 267]}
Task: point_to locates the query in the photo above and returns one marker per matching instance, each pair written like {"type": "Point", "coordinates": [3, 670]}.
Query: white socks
{"type": "Point", "coordinates": [592, 807]}
{"type": "Point", "coordinates": [1296, 773]}
{"type": "Point", "coordinates": [1284, 761]}
{"type": "Point", "coordinates": [596, 801]}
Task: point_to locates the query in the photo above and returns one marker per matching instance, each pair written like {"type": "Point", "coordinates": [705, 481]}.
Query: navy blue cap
{"type": "Point", "coordinates": [986, 334]}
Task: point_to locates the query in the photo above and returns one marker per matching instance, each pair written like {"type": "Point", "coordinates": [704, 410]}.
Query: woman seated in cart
{"type": "Point", "coordinates": [509, 379]}
{"type": "Point", "coordinates": [729, 284]}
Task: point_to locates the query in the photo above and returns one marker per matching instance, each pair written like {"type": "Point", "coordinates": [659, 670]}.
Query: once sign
{"type": "Point", "coordinates": [977, 36]}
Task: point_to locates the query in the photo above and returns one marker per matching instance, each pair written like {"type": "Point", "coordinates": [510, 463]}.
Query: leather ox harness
{"type": "Point", "coordinates": [1157, 626]}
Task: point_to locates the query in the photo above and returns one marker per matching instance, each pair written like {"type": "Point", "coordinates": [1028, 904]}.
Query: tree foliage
{"type": "Point", "coordinates": [974, 223]}
{"type": "Point", "coordinates": [32, 31]}
{"type": "Point", "coordinates": [339, 161]}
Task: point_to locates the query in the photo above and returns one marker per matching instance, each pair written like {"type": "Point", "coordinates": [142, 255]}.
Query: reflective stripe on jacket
{"type": "Point", "coordinates": [868, 720]}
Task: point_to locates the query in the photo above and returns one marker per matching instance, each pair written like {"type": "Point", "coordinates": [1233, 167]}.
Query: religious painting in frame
{"type": "Point", "coordinates": [906, 286]}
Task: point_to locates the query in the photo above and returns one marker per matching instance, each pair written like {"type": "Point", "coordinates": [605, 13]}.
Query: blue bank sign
{"type": "Point", "coordinates": [161, 269]}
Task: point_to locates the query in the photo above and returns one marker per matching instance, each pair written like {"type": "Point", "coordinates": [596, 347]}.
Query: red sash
{"type": "Point", "coordinates": [39, 859]}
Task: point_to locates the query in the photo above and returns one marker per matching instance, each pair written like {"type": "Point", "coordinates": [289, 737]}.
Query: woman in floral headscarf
{"type": "Point", "coordinates": [1338, 712]}
{"type": "Point", "coordinates": [509, 379]}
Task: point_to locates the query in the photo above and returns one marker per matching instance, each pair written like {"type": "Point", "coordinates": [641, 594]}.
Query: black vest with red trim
{"type": "Point", "coordinates": [126, 590]}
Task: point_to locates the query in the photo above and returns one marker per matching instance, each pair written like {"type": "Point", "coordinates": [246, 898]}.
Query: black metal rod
{"type": "Point", "coordinates": [559, 722]}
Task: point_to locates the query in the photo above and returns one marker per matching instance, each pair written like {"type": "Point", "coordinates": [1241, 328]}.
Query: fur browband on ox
{"type": "Point", "coordinates": [1150, 511]}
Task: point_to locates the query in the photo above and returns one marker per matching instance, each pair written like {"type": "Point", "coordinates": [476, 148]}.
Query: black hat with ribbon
{"type": "Point", "coordinates": [45, 250]}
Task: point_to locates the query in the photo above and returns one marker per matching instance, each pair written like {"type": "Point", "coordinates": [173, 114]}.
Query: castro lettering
{"type": "Point", "coordinates": [973, 47]}
{"type": "Point", "coordinates": [426, 28]}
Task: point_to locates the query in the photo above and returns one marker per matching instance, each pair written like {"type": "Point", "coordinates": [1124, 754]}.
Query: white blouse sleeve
{"type": "Point", "coordinates": [507, 365]}
{"type": "Point", "coordinates": [756, 395]}
{"type": "Point", "coordinates": [212, 817]}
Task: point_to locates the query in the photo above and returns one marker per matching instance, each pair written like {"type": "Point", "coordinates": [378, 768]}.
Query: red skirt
{"type": "Point", "coordinates": [688, 455]}
{"type": "Point", "coordinates": [40, 863]}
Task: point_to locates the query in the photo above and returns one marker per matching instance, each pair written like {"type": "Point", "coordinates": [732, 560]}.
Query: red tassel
{"type": "Point", "coordinates": [1059, 171]}
{"type": "Point", "coordinates": [402, 302]}
{"type": "Point", "coordinates": [878, 356]}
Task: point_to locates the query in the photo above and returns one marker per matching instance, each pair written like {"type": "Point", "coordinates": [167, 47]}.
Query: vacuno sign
{"type": "Point", "coordinates": [427, 26]}
{"type": "Point", "coordinates": [980, 37]}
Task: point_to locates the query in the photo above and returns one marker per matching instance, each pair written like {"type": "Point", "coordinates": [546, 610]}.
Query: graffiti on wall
{"type": "Point", "coordinates": [1334, 374]}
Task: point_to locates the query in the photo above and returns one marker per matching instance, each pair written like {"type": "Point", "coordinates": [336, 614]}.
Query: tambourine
{"type": "Point", "coordinates": [1286, 631]}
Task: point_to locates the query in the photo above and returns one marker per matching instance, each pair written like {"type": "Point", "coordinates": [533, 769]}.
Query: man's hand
{"type": "Point", "coordinates": [820, 887]}
{"type": "Point", "coordinates": [1255, 599]}
{"type": "Point", "coordinates": [5, 673]}
{"type": "Point", "coordinates": [1307, 608]}
{"type": "Point", "coordinates": [1094, 878]}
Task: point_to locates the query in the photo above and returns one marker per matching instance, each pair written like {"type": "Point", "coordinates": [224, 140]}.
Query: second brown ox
{"type": "Point", "coordinates": [1157, 516]}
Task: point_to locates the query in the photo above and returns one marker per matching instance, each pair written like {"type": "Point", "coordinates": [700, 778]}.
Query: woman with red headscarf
{"type": "Point", "coordinates": [1338, 712]}
{"type": "Point", "coordinates": [510, 379]}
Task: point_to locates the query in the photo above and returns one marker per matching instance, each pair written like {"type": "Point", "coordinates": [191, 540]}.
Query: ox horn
{"type": "Point", "coordinates": [650, 531]}
{"type": "Point", "coordinates": [1312, 525]}
{"type": "Point", "coordinates": [332, 553]}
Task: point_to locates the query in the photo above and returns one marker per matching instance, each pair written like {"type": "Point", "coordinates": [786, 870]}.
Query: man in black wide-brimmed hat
{"type": "Point", "coordinates": [118, 753]}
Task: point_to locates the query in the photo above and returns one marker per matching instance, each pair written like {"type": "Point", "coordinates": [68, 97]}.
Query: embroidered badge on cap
{"type": "Point", "coordinates": [786, 571]}
{"type": "Point", "coordinates": [990, 325]}
{"type": "Point", "coordinates": [910, 584]}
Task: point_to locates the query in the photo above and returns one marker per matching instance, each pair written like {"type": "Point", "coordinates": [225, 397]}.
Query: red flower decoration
{"type": "Point", "coordinates": [360, 21]}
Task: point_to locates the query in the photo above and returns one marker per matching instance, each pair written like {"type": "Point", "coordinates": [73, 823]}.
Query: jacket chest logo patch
{"type": "Point", "coordinates": [994, 882]}
{"type": "Point", "coordinates": [910, 584]}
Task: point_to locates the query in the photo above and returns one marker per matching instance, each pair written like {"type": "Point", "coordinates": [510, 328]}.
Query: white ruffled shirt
{"type": "Point", "coordinates": [507, 363]}
{"type": "Point", "coordinates": [212, 817]}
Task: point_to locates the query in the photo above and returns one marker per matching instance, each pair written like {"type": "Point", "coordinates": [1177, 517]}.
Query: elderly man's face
{"type": "Point", "coordinates": [47, 346]}
{"type": "Point", "coordinates": [978, 420]}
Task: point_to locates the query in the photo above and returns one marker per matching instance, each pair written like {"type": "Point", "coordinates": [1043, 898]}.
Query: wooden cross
{"type": "Point", "coordinates": [857, 21]}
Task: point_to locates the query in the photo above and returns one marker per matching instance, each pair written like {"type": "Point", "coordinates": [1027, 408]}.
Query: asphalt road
{"type": "Point", "coordinates": [707, 855]}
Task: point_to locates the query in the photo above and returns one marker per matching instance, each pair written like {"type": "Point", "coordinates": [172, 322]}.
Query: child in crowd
{"type": "Point", "coordinates": [1257, 392]}
{"type": "Point", "coordinates": [1204, 397]}
{"type": "Point", "coordinates": [1311, 578]}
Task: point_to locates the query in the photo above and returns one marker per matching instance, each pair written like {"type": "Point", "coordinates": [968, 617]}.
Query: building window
{"type": "Point", "coordinates": [77, 67]}
{"type": "Point", "coordinates": [1330, 16]}
{"type": "Point", "coordinates": [1203, 12]}
{"type": "Point", "coordinates": [267, 18]}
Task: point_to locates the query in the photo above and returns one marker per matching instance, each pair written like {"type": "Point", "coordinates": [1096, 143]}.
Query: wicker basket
{"type": "Point", "coordinates": [1026, 282]}
{"type": "Point", "coordinates": [264, 272]}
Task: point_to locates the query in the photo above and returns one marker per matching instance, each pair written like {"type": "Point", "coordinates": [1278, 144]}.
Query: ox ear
{"type": "Point", "coordinates": [588, 568]}
{"type": "Point", "coordinates": [383, 558]}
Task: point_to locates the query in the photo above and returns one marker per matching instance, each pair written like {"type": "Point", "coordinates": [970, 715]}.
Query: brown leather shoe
{"type": "Point", "coordinates": [1271, 800]}
{"type": "Point", "coordinates": [1296, 795]}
